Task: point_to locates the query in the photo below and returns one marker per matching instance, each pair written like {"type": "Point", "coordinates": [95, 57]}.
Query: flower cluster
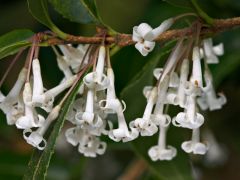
{"type": "Point", "coordinates": [182, 82]}
{"type": "Point", "coordinates": [28, 102]}
{"type": "Point", "coordinates": [89, 112]}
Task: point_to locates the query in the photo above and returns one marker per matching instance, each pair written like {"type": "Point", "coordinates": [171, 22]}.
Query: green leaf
{"type": "Point", "coordinates": [80, 11]}
{"type": "Point", "coordinates": [13, 41]}
{"type": "Point", "coordinates": [227, 65]}
{"type": "Point", "coordinates": [179, 167]}
{"type": "Point", "coordinates": [180, 3]}
{"type": "Point", "coordinates": [39, 162]}
{"type": "Point", "coordinates": [39, 10]}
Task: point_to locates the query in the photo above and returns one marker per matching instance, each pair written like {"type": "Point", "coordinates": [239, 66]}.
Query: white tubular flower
{"type": "Point", "coordinates": [145, 125]}
{"type": "Point", "coordinates": [209, 99]}
{"type": "Point", "coordinates": [161, 151]}
{"type": "Point", "coordinates": [112, 103]}
{"type": "Point", "coordinates": [153, 34]}
{"type": "Point", "coordinates": [15, 112]}
{"type": "Point", "coordinates": [174, 80]}
{"type": "Point", "coordinates": [64, 67]}
{"type": "Point", "coordinates": [30, 119]}
{"type": "Point", "coordinates": [144, 46]}
{"type": "Point", "coordinates": [37, 80]}
{"type": "Point", "coordinates": [93, 148]}
{"type": "Point", "coordinates": [89, 145]}
{"type": "Point", "coordinates": [45, 100]}
{"type": "Point", "coordinates": [195, 146]}
{"type": "Point", "coordinates": [35, 138]}
{"type": "Point", "coordinates": [98, 80]}
{"type": "Point", "coordinates": [122, 132]}
{"type": "Point", "coordinates": [211, 52]}
{"type": "Point", "coordinates": [88, 119]}
{"type": "Point", "coordinates": [72, 56]}
{"type": "Point", "coordinates": [196, 78]}
{"type": "Point", "coordinates": [183, 80]}
{"type": "Point", "coordinates": [158, 117]}
{"type": "Point", "coordinates": [77, 135]}
{"type": "Point", "coordinates": [77, 106]}
{"type": "Point", "coordinates": [7, 102]}
{"type": "Point", "coordinates": [173, 83]}
{"type": "Point", "coordinates": [190, 118]}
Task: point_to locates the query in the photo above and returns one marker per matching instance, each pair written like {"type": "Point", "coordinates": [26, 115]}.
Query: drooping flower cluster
{"type": "Point", "coordinates": [89, 112]}
{"type": "Point", "coordinates": [184, 81]}
{"type": "Point", "coordinates": [28, 101]}
{"type": "Point", "coordinates": [188, 86]}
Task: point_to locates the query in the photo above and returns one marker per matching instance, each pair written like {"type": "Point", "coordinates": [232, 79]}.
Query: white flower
{"type": "Point", "coordinates": [174, 80]}
{"type": "Point", "coordinates": [145, 125]}
{"type": "Point", "coordinates": [93, 148]}
{"type": "Point", "coordinates": [97, 79]}
{"type": "Point", "coordinates": [143, 46]}
{"type": "Point", "coordinates": [7, 102]}
{"type": "Point", "coordinates": [77, 135]}
{"type": "Point", "coordinates": [183, 80]}
{"type": "Point", "coordinates": [144, 35]}
{"type": "Point", "coordinates": [29, 119]}
{"type": "Point", "coordinates": [161, 151]}
{"type": "Point", "coordinates": [64, 67]}
{"type": "Point", "coordinates": [88, 119]}
{"type": "Point", "coordinates": [153, 34]}
{"type": "Point", "coordinates": [72, 56]}
{"type": "Point", "coordinates": [211, 52]}
{"type": "Point", "coordinates": [122, 132]}
{"type": "Point", "coordinates": [46, 99]}
{"type": "Point", "coordinates": [88, 144]}
{"type": "Point", "coordinates": [209, 98]}
{"type": "Point", "coordinates": [77, 106]}
{"type": "Point", "coordinates": [195, 146]}
{"type": "Point", "coordinates": [190, 118]}
{"type": "Point", "coordinates": [35, 138]}
{"type": "Point", "coordinates": [196, 78]}
{"type": "Point", "coordinates": [37, 80]}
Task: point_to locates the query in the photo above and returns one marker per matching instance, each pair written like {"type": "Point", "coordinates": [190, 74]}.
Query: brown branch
{"type": "Point", "coordinates": [135, 170]}
{"type": "Point", "coordinates": [219, 25]}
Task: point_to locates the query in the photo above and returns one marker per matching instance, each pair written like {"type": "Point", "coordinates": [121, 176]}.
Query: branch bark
{"type": "Point", "coordinates": [219, 25]}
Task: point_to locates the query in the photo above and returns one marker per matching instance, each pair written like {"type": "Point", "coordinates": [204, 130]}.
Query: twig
{"type": "Point", "coordinates": [134, 171]}
{"type": "Point", "coordinates": [219, 25]}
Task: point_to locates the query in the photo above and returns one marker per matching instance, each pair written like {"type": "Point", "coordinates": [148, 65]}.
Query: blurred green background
{"type": "Point", "coordinates": [119, 158]}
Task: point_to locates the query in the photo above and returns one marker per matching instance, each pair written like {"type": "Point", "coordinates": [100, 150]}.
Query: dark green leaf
{"type": "Point", "coordinates": [39, 10]}
{"type": "Point", "coordinates": [39, 162]}
{"type": "Point", "coordinates": [13, 41]}
{"type": "Point", "coordinates": [180, 3]}
{"type": "Point", "coordinates": [179, 167]}
{"type": "Point", "coordinates": [80, 11]}
{"type": "Point", "coordinates": [227, 65]}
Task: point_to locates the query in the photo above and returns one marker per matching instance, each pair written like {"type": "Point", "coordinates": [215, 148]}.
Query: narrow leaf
{"type": "Point", "coordinates": [13, 41]}
{"type": "Point", "coordinates": [179, 167]}
{"type": "Point", "coordinates": [80, 11]}
{"type": "Point", "coordinates": [39, 162]}
{"type": "Point", "coordinates": [39, 10]}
